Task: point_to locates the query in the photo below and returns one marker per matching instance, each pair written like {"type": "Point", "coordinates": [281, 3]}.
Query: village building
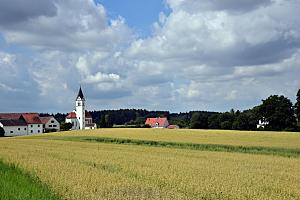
{"type": "Point", "coordinates": [172, 126]}
{"type": "Point", "coordinates": [13, 127]}
{"type": "Point", "coordinates": [79, 117]}
{"type": "Point", "coordinates": [50, 124]}
{"type": "Point", "coordinates": [157, 122]}
{"type": "Point", "coordinates": [15, 124]}
{"type": "Point", "coordinates": [262, 123]}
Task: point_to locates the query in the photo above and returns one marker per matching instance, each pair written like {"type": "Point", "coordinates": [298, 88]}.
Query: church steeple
{"type": "Point", "coordinates": [80, 94]}
{"type": "Point", "coordinates": [80, 109]}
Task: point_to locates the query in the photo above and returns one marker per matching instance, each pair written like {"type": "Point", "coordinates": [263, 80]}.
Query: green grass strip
{"type": "Point", "coordinates": [16, 184]}
{"type": "Point", "coordinates": [285, 152]}
{"type": "Point", "coordinates": [204, 147]}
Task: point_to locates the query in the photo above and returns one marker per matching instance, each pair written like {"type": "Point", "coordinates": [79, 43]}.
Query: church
{"type": "Point", "coordinates": [80, 118]}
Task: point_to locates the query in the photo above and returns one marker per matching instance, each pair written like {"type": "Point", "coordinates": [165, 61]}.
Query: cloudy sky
{"type": "Point", "coordinates": [175, 55]}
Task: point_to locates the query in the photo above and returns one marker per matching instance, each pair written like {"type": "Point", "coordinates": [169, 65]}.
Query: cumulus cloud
{"type": "Point", "coordinates": [207, 55]}
{"type": "Point", "coordinates": [217, 5]}
{"type": "Point", "coordinates": [75, 25]}
{"type": "Point", "coordinates": [13, 12]}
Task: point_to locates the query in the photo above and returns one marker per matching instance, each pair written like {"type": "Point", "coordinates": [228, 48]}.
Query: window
{"type": "Point", "coordinates": [78, 104]}
{"type": "Point", "coordinates": [19, 129]}
{"type": "Point", "coordinates": [38, 125]}
{"type": "Point", "coordinates": [52, 121]}
{"type": "Point", "coordinates": [31, 125]}
{"type": "Point", "coordinates": [54, 125]}
{"type": "Point", "coordinates": [24, 129]}
{"type": "Point", "coordinates": [38, 131]}
{"type": "Point", "coordinates": [11, 131]}
{"type": "Point", "coordinates": [31, 131]}
{"type": "Point", "coordinates": [50, 125]}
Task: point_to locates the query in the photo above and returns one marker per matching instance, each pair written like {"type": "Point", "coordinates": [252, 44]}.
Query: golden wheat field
{"type": "Point", "coordinates": [90, 170]}
{"type": "Point", "coordinates": [243, 138]}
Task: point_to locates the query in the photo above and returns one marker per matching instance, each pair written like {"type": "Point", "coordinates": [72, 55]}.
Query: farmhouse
{"type": "Point", "coordinates": [157, 122]}
{"type": "Point", "coordinates": [79, 117]}
{"type": "Point", "coordinates": [50, 124]}
{"type": "Point", "coordinates": [15, 124]}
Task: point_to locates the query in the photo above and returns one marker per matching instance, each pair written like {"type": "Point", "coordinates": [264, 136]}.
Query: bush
{"type": "Point", "coordinates": [2, 132]}
{"type": "Point", "coordinates": [65, 126]}
{"type": "Point", "coordinates": [50, 130]}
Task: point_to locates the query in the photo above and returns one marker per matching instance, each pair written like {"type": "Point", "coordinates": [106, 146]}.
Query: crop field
{"type": "Point", "coordinates": [160, 164]}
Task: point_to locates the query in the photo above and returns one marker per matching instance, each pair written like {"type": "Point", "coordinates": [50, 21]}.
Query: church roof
{"type": "Point", "coordinates": [80, 94]}
{"type": "Point", "coordinates": [71, 115]}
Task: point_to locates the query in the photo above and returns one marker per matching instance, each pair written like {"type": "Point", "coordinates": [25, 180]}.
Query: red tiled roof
{"type": "Point", "coordinates": [10, 115]}
{"type": "Point", "coordinates": [31, 118]}
{"type": "Point", "coordinates": [88, 114]}
{"type": "Point", "coordinates": [154, 121]}
{"type": "Point", "coordinates": [45, 120]}
{"type": "Point", "coordinates": [173, 126]}
{"type": "Point", "coordinates": [13, 122]}
{"type": "Point", "coordinates": [71, 115]}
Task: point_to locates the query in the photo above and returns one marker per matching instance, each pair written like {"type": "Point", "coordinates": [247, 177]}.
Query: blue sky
{"type": "Point", "coordinates": [139, 15]}
{"type": "Point", "coordinates": [159, 55]}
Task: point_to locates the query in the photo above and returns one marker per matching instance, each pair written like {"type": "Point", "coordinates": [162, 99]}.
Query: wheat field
{"type": "Point", "coordinates": [90, 170]}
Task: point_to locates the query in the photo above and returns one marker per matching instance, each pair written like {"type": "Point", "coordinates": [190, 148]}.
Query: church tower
{"type": "Point", "coordinates": [80, 109]}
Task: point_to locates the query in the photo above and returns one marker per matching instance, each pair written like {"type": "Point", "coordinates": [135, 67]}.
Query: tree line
{"type": "Point", "coordinates": [277, 110]}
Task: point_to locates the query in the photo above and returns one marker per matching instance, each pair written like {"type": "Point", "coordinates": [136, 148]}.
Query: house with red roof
{"type": "Point", "coordinates": [50, 124]}
{"type": "Point", "coordinates": [21, 123]}
{"type": "Point", "coordinates": [157, 122]}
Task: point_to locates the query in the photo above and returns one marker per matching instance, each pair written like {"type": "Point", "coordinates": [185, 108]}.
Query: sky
{"type": "Point", "coordinates": [176, 55]}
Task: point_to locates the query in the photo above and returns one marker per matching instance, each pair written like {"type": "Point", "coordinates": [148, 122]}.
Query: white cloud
{"type": "Point", "coordinates": [209, 55]}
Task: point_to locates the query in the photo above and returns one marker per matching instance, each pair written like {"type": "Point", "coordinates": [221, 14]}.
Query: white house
{"type": "Point", "coordinates": [21, 123]}
{"type": "Point", "coordinates": [50, 123]}
{"type": "Point", "coordinates": [13, 127]}
{"type": "Point", "coordinates": [80, 118]}
{"type": "Point", "coordinates": [262, 123]}
{"type": "Point", "coordinates": [34, 124]}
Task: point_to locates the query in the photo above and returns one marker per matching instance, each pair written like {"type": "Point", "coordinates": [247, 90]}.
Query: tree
{"type": "Point", "coordinates": [278, 111]}
{"type": "Point", "coordinates": [214, 121]}
{"type": "Point", "coordinates": [226, 120]}
{"type": "Point", "coordinates": [102, 122]}
{"type": "Point", "coordinates": [2, 132]}
{"type": "Point", "coordinates": [199, 120]}
{"type": "Point", "coordinates": [108, 121]}
{"type": "Point", "coordinates": [241, 122]}
{"type": "Point", "coordinates": [297, 106]}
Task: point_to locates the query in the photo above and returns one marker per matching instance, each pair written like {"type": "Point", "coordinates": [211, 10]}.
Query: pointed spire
{"type": "Point", "coordinates": [80, 94]}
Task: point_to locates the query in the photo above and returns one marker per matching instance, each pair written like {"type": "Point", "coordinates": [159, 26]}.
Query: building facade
{"type": "Point", "coordinates": [50, 124]}
{"type": "Point", "coordinates": [157, 122]}
{"type": "Point", "coordinates": [15, 124]}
